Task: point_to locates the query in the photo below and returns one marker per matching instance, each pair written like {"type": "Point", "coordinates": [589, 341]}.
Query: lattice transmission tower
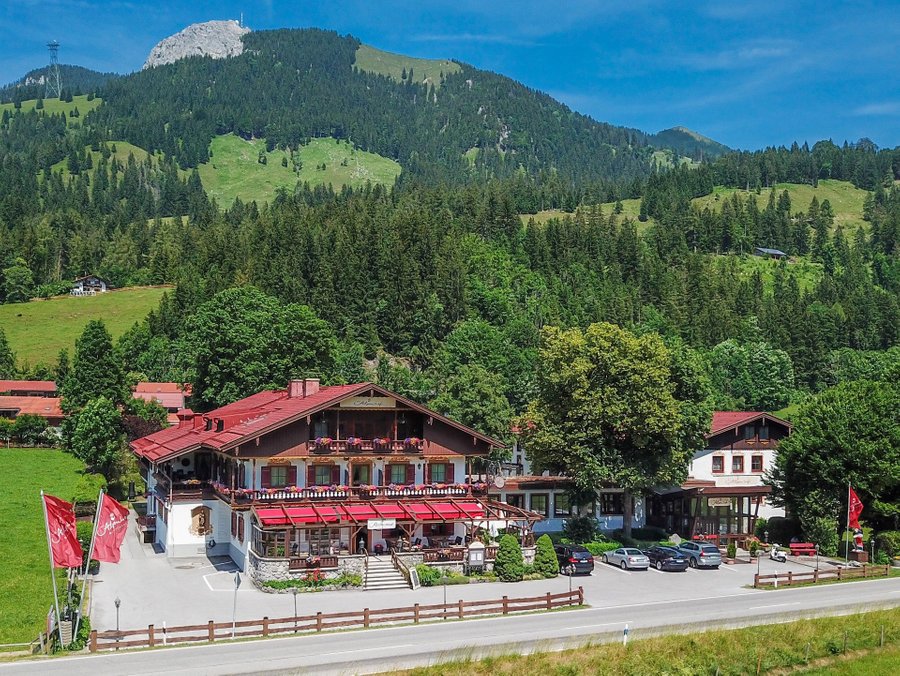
{"type": "Point", "coordinates": [54, 85]}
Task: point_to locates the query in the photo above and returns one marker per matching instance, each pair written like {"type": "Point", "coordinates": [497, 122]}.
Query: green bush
{"type": "Point", "coordinates": [428, 576]}
{"type": "Point", "coordinates": [754, 547]}
{"type": "Point", "coordinates": [888, 541]}
{"type": "Point", "coordinates": [762, 525]}
{"type": "Point", "coordinates": [597, 548]}
{"type": "Point", "coordinates": [508, 564]}
{"type": "Point", "coordinates": [581, 529]}
{"type": "Point", "coordinates": [86, 492]}
{"type": "Point", "coordinates": [781, 529]}
{"type": "Point", "coordinates": [732, 550]}
{"type": "Point", "coordinates": [545, 561]}
{"type": "Point", "coordinates": [823, 531]}
{"type": "Point", "coordinates": [315, 579]}
{"type": "Point", "coordinates": [882, 559]}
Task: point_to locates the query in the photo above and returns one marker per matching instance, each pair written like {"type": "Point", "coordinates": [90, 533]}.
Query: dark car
{"type": "Point", "coordinates": [574, 559]}
{"type": "Point", "coordinates": [667, 558]}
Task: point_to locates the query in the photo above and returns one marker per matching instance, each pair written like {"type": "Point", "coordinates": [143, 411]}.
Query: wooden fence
{"type": "Point", "coordinates": [816, 576]}
{"type": "Point", "coordinates": [217, 631]}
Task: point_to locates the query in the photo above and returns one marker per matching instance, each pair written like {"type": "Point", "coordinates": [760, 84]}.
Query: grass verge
{"type": "Point", "coordinates": [25, 590]}
{"type": "Point", "coordinates": [751, 650]}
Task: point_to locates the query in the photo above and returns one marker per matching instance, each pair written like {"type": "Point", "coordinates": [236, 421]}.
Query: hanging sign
{"type": "Point", "coordinates": [719, 502]}
{"type": "Point", "coordinates": [381, 524]}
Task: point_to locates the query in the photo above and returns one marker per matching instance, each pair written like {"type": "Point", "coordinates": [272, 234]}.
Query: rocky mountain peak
{"type": "Point", "coordinates": [218, 39]}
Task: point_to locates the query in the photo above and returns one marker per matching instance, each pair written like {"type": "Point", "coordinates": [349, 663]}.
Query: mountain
{"type": "Point", "coordinates": [689, 143]}
{"type": "Point", "coordinates": [75, 80]}
{"type": "Point", "coordinates": [216, 39]}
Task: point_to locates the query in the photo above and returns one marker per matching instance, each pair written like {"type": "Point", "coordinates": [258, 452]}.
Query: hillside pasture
{"type": "Point", "coordinates": [26, 593]}
{"type": "Point", "coordinates": [55, 107]}
{"type": "Point", "coordinates": [38, 330]}
{"type": "Point", "coordinates": [120, 150]}
{"type": "Point", "coordinates": [371, 60]}
{"type": "Point", "coordinates": [234, 170]}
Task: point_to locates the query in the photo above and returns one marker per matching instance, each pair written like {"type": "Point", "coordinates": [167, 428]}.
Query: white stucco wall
{"type": "Point", "coordinates": [701, 467]}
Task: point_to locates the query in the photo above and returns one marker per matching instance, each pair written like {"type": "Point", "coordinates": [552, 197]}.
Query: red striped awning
{"type": "Point", "coordinates": [305, 515]}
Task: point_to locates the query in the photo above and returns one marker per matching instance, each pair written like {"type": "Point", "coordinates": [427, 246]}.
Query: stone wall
{"type": "Point", "coordinates": [262, 570]}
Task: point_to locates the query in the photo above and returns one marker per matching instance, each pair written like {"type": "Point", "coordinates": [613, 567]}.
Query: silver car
{"type": "Point", "coordinates": [701, 554]}
{"type": "Point", "coordinates": [627, 557]}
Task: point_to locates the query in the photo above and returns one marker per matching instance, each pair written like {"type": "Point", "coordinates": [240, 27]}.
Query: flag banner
{"type": "Point", "coordinates": [64, 545]}
{"type": "Point", "coordinates": [109, 533]}
{"type": "Point", "coordinates": [855, 509]}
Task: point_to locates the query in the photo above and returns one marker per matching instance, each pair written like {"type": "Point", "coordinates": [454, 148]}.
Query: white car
{"type": "Point", "coordinates": [627, 557]}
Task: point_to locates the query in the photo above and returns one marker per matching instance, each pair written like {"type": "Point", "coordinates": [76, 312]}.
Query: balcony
{"type": "Point", "coordinates": [377, 446]}
{"type": "Point", "coordinates": [248, 496]}
{"type": "Point", "coordinates": [182, 489]}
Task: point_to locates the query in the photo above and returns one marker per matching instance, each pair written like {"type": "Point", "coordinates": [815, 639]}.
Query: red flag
{"type": "Point", "coordinates": [856, 508]}
{"type": "Point", "coordinates": [63, 536]}
{"type": "Point", "coordinates": [112, 523]}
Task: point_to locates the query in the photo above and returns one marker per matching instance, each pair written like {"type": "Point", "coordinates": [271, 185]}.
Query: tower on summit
{"type": "Point", "coordinates": [53, 88]}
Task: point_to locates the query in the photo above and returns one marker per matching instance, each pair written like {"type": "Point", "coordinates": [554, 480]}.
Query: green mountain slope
{"type": "Point", "coordinates": [688, 142]}
{"type": "Point", "coordinates": [74, 79]}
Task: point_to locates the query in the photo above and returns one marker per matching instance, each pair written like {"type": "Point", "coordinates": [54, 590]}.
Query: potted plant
{"type": "Point", "coordinates": [731, 552]}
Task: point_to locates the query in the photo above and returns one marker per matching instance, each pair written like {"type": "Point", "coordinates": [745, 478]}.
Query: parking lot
{"type": "Point", "coordinates": [154, 589]}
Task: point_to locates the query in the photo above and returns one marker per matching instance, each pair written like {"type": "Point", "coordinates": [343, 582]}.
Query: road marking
{"type": "Point", "coordinates": [774, 605]}
{"type": "Point", "coordinates": [728, 568]}
{"type": "Point", "coordinates": [605, 624]}
{"type": "Point", "coordinates": [655, 570]}
{"type": "Point", "coordinates": [617, 569]}
{"type": "Point", "coordinates": [362, 650]}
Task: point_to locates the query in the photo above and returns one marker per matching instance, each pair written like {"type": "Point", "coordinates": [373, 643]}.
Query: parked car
{"type": "Point", "coordinates": [667, 558]}
{"type": "Point", "coordinates": [627, 557]}
{"type": "Point", "coordinates": [701, 554]}
{"type": "Point", "coordinates": [574, 559]}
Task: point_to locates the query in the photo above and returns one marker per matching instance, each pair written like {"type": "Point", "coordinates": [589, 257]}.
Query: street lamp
{"type": "Point", "coordinates": [295, 590]}
{"type": "Point", "coordinates": [766, 533]}
{"type": "Point", "coordinates": [817, 558]}
{"type": "Point", "coordinates": [118, 603]}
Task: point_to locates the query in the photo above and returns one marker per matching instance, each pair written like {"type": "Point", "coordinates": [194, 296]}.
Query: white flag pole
{"type": "Point", "coordinates": [52, 569]}
{"type": "Point", "coordinates": [87, 564]}
{"type": "Point", "coordinates": [847, 530]}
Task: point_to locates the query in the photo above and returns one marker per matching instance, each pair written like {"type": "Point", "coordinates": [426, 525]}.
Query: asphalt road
{"type": "Point", "coordinates": [383, 650]}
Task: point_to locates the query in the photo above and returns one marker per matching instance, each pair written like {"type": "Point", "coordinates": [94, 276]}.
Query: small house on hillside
{"type": "Point", "coordinates": [28, 388]}
{"type": "Point", "coordinates": [171, 396]}
{"type": "Point", "coordinates": [44, 407]}
{"type": "Point", "coordinates": [769, 253]}
{"type": "Point", "coordinates": [88, 285]}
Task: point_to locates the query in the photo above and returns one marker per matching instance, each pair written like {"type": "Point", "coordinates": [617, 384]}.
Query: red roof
{"type": "Point", "coordinates": [172, 388]}
{"type": "Point", "coordinates": [46, 386]}
{"type": "Point", "coordinates": [407, 511]}
{"type": "Point", "coordinates": [46, 407]}
{"type": "Point", "coordinates": [727, 420]}
{"type": "Point", "coordinates": [253, 416]}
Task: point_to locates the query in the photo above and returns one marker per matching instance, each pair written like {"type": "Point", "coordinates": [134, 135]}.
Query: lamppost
{"type": "Point", "coordinates": [766, 533]}
{"type": "Point", "coordinates": [295, 590]}
{"type": "Point", "coordinates": [817, 558]}
{"type": "Point", "coordinates": [118, 603]}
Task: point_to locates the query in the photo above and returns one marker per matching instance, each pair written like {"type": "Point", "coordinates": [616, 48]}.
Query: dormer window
{"type": "Point", "coordinates": [749, 432]}
{"type": "Point", "coordinates": [220, 425]}
{"type": "Point", "coordinates": [764, 433]}
{"type": "Point", "coordinates": [208, 425]}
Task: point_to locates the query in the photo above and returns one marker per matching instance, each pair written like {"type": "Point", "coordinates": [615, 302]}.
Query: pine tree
{"type": "Point", "coordinates": [96, 371]}
{"type": "Point", "coordinates": [7, 358]}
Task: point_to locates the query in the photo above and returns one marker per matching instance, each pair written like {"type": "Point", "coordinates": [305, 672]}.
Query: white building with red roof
{"type": "Point", "coordinates": [318, 477]}
{"type": "Point", "coordinates": [171, 396]}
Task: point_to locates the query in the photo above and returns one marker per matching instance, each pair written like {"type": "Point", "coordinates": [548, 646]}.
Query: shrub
{"type": "Point", "coordinates": [754, 547]}
{"type": "Point", "coordinates": [86, 492]}
{"type": "Point", "coordinates": [823, 531]}
{"type": "Point", "coordinates": [315, 579]}
{"type": "Point", "coordinates": [428, 576]}
{"type": "Point", "coordinates": [781, 529]}
{"type": "Point", "coordinates": [597, 548]}
{"type": "Point", "coordinates": [581, 529]}
{"type": "Point", "coordinates": [545, 561]}
{"type": "Point", "coordinates": [29, 429]}
{"type": "Point", "coordinates": [732, 550]}
{"type": "Point", "coordinates": [762, 525]}
{"type": "Point", "coordinates": [508, 565]}
{"type": "Point", "coordinates": [889, 542]}
{"type": "Point", "coordinates": [882, 559]}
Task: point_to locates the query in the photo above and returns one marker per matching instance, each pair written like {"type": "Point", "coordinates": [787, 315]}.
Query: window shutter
{"type": "Point", "coordinates": [240, 528]}
{"type": "Point", "coordinates": [388, 474]}
{"type": "Point", "coordinates": [310, 475]}
{"type": "Point", "coordinates": [233, 524]}
{"type": "Point", "coordinates": [266, 478]}
{"type": "Point", "coordinates": [410, 474]}
{"type": "Point", "coordinates": [428, 473]}
{"type": "Point", "coordinates": [292, 475]}
{"type": "Point", "coordinates": [448, 473]}
{"type": "Point", "coordinates": [336, 474]}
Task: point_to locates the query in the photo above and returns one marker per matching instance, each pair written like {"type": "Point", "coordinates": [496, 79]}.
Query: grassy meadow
{"type": "Point", "coordinates": [55, 107]}
{"type": "Point", "coordinates": [753, 650]}
{"type": "Point", "coordinates": [39, 329]}
{"type": "Point", "coordinates": [371, 60]}
{"type": "Point", "coordinates": [25, 589]}
{"type": "Point", "coordinates": [234, 169]}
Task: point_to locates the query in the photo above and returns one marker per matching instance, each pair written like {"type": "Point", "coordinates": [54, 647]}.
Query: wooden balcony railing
{"type": "Point", "coordinates": [438, 555]}
{"type": "Point", "coordinates": [374, 446]}
{"type": "Point", "coordinates": [147, 521]}
{"type": "Point", "coordinates": [312, 562]}
{"type": "Point", "coordinates": [266, 495]}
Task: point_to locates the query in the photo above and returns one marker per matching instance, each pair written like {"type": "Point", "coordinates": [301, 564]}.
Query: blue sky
{"type": "Point", "coordinates": [748, 74]}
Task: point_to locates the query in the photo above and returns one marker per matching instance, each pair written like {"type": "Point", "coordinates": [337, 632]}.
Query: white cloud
{"type": "Point", "coordinates": [879, 108]}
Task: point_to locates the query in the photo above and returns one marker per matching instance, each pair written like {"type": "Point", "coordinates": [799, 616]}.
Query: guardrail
{"type": "Point", "coordinates": [816, 576]}
{"type": "Point", "coordinates": [216, 631]}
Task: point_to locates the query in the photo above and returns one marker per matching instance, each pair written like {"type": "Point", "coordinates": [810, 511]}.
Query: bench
{"type": "Point", "coordinates": [800, 548]}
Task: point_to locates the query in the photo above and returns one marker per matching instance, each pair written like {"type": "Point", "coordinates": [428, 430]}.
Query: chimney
{"type": "Point", "coordinates": [185, 418]}
{"type": "Point", "coordinates": [310, 386]}
{"type": "Point", "coordinates": [295, 389]}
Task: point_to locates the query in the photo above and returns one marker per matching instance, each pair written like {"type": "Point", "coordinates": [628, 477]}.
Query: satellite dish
{"type": "Point", "coordinates": [499, 481]}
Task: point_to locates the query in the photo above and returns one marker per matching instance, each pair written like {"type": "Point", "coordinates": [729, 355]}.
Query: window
{"type": "Point", "coordinates": [539, 503]}
{"type": "Point", "coordinates": [398, 474]}
{"type": "Point", "coordinates": [278, 476]}
{"type": "Point", "coordinates": [515, 499]}
{"type": "Point", "coordinates": [362, 474]}
{"type": "Point", "coordinates": [764, 433]}
{"type": "Point", "coordinates": [749, 432]}
{"type": "Point", "coordinates": [438, 473]}
{"type": "Point", "coordinates": [562, 505]}
{"type": "Point", "coordinates": [323, 475]}
{"type": "Point", "coordinates": [756, 463]}
{"type": "Point", "coordinates": [612, 503]}
{"type": "Point", "coordinates": [737, 464]}
{"type": "Point", "coordinates": [718, 464]}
